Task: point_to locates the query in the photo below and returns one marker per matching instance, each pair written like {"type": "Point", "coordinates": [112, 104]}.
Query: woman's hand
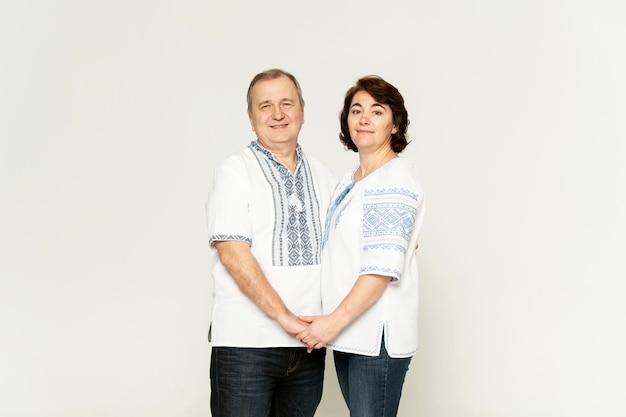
{"type": "Point", "coordinates": [320, 331]}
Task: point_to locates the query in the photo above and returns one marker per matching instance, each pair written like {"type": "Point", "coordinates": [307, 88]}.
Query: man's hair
{"type": "Point", "coordinates": [383, 93]}
{"type": "Point", "coordinates": [272, 74]}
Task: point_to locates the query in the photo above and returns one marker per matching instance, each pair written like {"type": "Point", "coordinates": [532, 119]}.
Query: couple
{"type": "Point", "coordinates": [285, 235]}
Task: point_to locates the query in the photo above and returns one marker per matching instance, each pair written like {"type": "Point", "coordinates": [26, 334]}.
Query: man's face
{"type": "Point", "coordinates": [276, 114]}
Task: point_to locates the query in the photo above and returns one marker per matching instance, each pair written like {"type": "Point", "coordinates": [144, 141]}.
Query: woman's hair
{"type": "Point", "coordinates": [272, 74]}
{"type": "Point", "coordinates": [383, 93]}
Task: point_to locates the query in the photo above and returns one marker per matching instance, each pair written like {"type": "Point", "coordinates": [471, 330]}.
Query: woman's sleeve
{"type": "Point", "coordinates": [389, 216]}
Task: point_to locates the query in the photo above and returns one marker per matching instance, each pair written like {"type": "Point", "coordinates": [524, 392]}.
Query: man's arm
{"type": "Point", "coordinates": [245, 270]}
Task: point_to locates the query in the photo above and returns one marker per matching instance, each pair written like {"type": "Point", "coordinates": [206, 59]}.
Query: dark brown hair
{"type": "Point", "coordinates": [383, 93]}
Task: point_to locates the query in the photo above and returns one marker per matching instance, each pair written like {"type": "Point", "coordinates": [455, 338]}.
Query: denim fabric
{"type": "Point", "coordinates": [266, 382]}
{"type": "Point", "coordinates": [371, 385]}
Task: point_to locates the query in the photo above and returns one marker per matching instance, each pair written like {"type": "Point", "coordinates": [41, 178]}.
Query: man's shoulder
{"type": "Point", "coordinates": [316, 164]}
{"type": "Point", "coordinates": [236, 160]}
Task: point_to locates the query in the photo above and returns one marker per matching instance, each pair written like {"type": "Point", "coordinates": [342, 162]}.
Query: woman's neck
{"type": "Point", "coordinates": [369, 163]}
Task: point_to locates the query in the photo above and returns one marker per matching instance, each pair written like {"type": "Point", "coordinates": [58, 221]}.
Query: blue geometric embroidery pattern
{"type": "Point", "coordinates": [382, 326]}
{"type": "Point", "coordinates": [389, 212]}
{"type": "Point", "coordinates": [394, 273]}
{"type": "Point", "coordinates": [385, 246]}
{"type": "Point", "coordinates": [388, 221]}
{"type": "Point", "coordinates": [361, 351]}
{"type": "Point", "coordinates": [394, 190]}
{"type": "Point", "coordinates": [297, 232]}
{"type": "Point", "coordinates": [230, 237]}
{"type": "Point", "coordinates": [388, 218]}
{"type": "Point", "coordinates": [333, 207]}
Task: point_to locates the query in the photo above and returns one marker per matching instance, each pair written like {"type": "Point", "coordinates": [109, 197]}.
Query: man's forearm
{"type": "Point", "coordinates": [249, 277]}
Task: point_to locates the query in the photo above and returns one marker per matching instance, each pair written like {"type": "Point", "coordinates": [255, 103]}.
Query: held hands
{"type": "Point", "coordinates": [291, 323]}
{"type": "Point", "coordinates": [297, 327]}
{"type": "Point", "coordinates": [321, 330]}
{"type": "Point", "coordinates": [313, 331]}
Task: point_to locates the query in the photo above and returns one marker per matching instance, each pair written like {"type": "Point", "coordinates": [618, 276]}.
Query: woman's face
{"type": "Point", "coordinates": [370, 123]}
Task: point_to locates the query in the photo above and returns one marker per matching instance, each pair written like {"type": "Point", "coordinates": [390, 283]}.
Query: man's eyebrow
{"type": "Point", "coordinates": [282, 101]}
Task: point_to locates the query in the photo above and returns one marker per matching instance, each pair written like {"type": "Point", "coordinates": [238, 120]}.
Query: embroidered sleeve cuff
{"type": "Point", "coordinates": [230, 237]}
{"type": "Point", "coordinates": [388, 272]}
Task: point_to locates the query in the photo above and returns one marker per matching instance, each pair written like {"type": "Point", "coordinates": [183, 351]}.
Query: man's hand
{"type": "Point", "coordinates": [291, 323]}
{"type": "Point", "coordinates": [321, 330]}
{"type": "Point", "coordinates": [246, 272]}
{"type": "Point", "coordinates": [364, 293]}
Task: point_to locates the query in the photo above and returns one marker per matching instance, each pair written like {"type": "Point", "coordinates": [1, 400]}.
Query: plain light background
{"type": "Point", "coordinates": [114, 113]}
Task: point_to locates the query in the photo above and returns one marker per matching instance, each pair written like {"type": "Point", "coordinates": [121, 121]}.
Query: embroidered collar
{"type": "Point", "coordinates": [254, 145]}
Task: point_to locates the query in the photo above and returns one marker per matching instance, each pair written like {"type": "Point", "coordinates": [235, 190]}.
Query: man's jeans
{"type": "Point", "coordinates": [371, 385]}
{"type": "Point", "coordinates": [266, 382]}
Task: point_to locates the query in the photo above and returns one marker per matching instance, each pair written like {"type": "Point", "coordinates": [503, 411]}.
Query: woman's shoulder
{"type": "Point", "coordinates": [398, 170]}
{"type": "Point", "coordinates": [402, 163]}
{"type": "Point", "coordinates": [397, 176]}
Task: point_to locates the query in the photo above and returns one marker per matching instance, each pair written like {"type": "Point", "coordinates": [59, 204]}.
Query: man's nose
{"type": "Point", "coordinates": [278, 113]}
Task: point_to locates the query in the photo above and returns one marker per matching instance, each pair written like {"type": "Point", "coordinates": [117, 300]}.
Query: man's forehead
{"type": "Point", "coordinates": [274, 94]}
{"type": "Point", "coordinates": [283, 84]}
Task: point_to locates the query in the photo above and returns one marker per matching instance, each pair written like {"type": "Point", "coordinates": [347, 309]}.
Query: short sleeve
{"type": "Point", "coordinates": [227, 206]}
{"type": "Point", "coordinates": [389, 216]}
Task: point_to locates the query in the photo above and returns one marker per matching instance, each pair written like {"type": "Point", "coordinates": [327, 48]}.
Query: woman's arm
{"type": "Point", "coordinates": [366, 290]}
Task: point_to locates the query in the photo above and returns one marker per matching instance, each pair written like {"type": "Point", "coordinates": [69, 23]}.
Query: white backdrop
{"type": "Point", "coordinates": [114, 113]}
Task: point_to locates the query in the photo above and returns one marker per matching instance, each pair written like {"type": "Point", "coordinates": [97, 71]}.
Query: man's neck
{"type": "Point", "coordinates": [285, 154]}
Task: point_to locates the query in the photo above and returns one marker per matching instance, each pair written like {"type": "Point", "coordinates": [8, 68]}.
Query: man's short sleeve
{"type": "Point", "coordinates": [228, 215]}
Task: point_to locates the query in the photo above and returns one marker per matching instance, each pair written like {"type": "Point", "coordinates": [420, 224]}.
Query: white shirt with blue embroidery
{"type": "Point", "coordinates": [372, 228]}
{"type": "Point", "coordinates": [256, 199]}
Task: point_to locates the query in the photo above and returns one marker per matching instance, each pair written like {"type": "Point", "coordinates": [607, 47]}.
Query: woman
{"type": "Point", "coordinates": [369, 278]}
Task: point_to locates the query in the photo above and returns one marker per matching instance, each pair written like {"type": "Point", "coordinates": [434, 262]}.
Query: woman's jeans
{"type": "Point", "coordinates": [266, 382]}
{"type": "Point", "coordinates": [371, 385]}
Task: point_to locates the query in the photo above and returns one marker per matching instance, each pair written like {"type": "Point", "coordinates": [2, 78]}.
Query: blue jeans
{"type": "Point", "coordinates": [266, 382]}
{"type": "Point", "coordinates": [371, 385]}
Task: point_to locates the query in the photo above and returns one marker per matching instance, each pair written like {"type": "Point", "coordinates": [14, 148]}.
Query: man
{"type": "Point", "coordinates": [265, 215]}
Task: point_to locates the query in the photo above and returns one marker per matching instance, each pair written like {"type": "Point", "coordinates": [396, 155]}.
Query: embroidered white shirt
{"type": "Point", "coordinates": [256, 199]}
{"type": "Point", "coordinates": [372, 228]}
